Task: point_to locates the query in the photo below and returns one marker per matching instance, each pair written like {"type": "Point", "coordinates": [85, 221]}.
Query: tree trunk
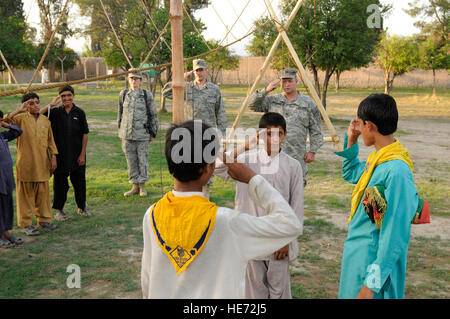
{"type": "Point", "coordinates": [316, 79]}
{"type": "Point", "coordinates": [328, 73]}
{"type": "Point", "coordinates": [434, 83]}
{"type": "Point", "coordinates": [338, 76]}
{"type": "Point", "coordinates": [387, 76]}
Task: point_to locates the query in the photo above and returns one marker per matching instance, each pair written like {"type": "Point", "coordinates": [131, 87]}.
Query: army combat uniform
{"type": "Point", "coordinates": [135, 139]}
{"type": "Point", "coordinates": [203, 103]}
{"type": "Point", "coordinates": [302, 117]}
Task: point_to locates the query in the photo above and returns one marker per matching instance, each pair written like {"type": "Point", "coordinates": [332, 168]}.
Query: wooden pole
{"type": "Point", "coordinates": [178, 83]}
{"type": "Point", "coordinates": [305, 77]}
{"type": "Point", "coordinates": [9, 69]}
{"type": "Point", "coordinates": [263, 69]}
{"type": "Point", "coordinates": [48, 45]}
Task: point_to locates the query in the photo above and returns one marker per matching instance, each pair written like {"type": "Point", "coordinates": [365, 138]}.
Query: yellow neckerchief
{"type": "Point", "coordinates": [388, 153]}
{"type": "Point", "coordinates": [182, 226]}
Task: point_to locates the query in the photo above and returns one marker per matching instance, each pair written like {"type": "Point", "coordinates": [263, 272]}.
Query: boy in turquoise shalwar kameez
{"type": "Point", "coordinates": [374, 259]}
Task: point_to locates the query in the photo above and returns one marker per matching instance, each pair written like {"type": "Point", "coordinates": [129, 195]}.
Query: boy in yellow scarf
{"type": "Point", "coordinates": [192, 247]}
{"type": "Point", "coordinates": [374, 259]}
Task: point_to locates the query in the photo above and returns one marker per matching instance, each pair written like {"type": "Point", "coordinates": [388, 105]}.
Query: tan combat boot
{"type": "Point", "coordinates": [142, 190]}
{"type": "Point", "coordinates": [132, 191]}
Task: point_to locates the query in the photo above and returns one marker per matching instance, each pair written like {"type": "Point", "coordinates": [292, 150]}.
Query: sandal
{"type": "Point", "coordinates": [47, 225]}
{"type": "Point", "coordinates": [15, 240]}
{"type": "Point", "coordinates": [5, 243]}
{"type": "Point", "coordinates": [83, 213]}
{"type": "Point", "coordinates": [61, 216]}
{"type": "Point", "coordinates": [31, 231]}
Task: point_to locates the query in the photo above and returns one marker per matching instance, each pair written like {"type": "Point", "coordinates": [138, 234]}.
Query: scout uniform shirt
{"type": "Point", "coordinates": [219, 270]}
{"type": "Point", "coordinates": [301, 115]}
{"type": "Point", "coordinates": [33, 147]}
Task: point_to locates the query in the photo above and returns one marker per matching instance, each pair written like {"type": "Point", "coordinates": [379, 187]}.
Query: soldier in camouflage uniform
{"type": "Point", "coordinates": [204, 101]}
{"type": "Point", "coordinates": [132, 116]}
{"type": "Point", "coordinates": [301, 114]}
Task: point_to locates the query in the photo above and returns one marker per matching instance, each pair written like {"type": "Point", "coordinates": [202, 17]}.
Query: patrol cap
{"type": "Point", "coordinates": [134, 75]}
{"type": "Point", "coordinates": [288, 74]}
{"type": "Point", "coordinates": [199, 64]}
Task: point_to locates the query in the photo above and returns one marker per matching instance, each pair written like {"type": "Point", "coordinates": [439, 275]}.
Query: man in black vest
{"type": "Point", "coordinates": [70, 131]}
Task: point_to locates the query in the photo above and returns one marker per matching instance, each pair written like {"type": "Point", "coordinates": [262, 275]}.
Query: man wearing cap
{"type": "Point", "coordinates": [137, 121]}
{"type": "Point", "coordinates": [204, 101]}
{"type": "Point", "coordinates": [301, 114]}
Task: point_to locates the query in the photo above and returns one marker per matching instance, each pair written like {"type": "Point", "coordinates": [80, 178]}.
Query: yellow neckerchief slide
{"type": "Point", "coordinates": [388, 153]}
{"type": "Point", "coordinates": [182, 226]}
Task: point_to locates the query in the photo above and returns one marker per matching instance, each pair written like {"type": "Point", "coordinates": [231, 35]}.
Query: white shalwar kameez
{"type": "Point", "coordinates": [219, 270]}
{"type": "Point", "coordinates": [268, 278]}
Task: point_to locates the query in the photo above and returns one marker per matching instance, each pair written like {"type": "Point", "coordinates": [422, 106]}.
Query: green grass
{"type": "Point", "coordinates": [108, 246]}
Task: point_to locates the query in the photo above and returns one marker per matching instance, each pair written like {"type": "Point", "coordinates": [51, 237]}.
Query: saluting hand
{"type": "Point", "coordinates": [353, 132]}
{"type": "Point", "coordinates": [23, 107]}
{"type": "Point", "coordinates": [272, 85]}
{"type": "Point", "coordinates": [55, 101]}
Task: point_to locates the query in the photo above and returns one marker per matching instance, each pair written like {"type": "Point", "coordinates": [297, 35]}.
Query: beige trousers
{"type": "Point", "coordinates": [268, 279]}
{"type": "Point", "coordinates": [33, 198]}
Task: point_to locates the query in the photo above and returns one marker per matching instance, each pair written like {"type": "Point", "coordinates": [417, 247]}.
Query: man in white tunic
{"type": "Point", "coordinates": [212, 263]}
{"type": "Point", "coordinates": [268, 276]}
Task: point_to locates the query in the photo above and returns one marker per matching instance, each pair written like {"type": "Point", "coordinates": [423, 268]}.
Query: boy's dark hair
{"type": "Point", "coordinates": [272, 119]}
{"type": "Point", "coordinates": [183, 166]}
{"type": "Point", "coordinates": [66, 88]}
{"type": "Point", "coordinates": [28, 96]}
{"type": "Point", "coordinates": [380, 109]}
{"type": "Point", "coordinates": [1, 115]}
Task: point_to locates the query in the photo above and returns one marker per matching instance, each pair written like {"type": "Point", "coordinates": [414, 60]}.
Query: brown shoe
{"type": "Point", "coordinates": [142, 190]}
{"type": "Point", "coordinates": [132, 191]}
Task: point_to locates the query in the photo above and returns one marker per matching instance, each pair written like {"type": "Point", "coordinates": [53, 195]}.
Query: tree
{"type": "Point", "coordinates": [329, 35]}
{"type": "Point", "coordinates": [220, 60]}
{"type": "Point", "coordinates": [433, 36]}
{"type": "Point", "coordinates": [434, 56]}
{"type": "Point", "coordinates": [396, 55]}
{"type": "Point", "coordinates": [137, 33]}
{"type": "Point", "coordinates": [14, 42]}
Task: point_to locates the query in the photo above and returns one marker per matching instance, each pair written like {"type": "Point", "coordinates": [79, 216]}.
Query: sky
{"type": "Point", "coordinates": [225, 12]}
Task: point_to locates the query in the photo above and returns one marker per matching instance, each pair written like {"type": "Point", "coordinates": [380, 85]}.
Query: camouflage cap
{"type": "Point", "coordinates": [199, 64]}
{"type": "Point", "coordinates": [134, 74]}
{"type": "Point", "coordinates": [288, 74]}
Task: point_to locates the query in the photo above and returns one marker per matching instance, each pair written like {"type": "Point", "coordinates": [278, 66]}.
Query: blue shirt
{"type": "Point", "coordinates": [372, 257]}
{"type": "Point", "coordinates": [7, 183]}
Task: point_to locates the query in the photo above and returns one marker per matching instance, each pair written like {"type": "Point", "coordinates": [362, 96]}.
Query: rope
{"type": "Point", "coordinates": [109, 76]}
{"type": "Point", "coordinates": [154, 24]}
{"type": "Point", "coordinates": [48, 45]}
{"type": "Point", "coordinates": [195, 27]}
{"type": "Point", "coordinates": [117, 37]}
{"type": "Point", "coordinates": [236, 14]}
{"type": "Point", "coordinates": [226, 27]}
{"type": "Point", "coordinates": [156, 42]}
